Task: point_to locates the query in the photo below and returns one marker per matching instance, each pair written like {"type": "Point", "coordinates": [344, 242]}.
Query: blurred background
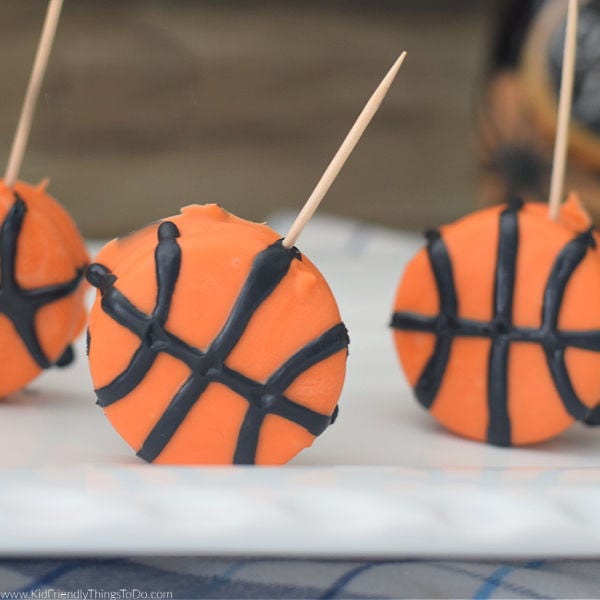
{"type": "Point", "coordinates": [149, 105]}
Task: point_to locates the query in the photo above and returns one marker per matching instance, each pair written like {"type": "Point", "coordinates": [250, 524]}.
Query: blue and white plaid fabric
{"type": "Point", "coordinates": [162, 578]}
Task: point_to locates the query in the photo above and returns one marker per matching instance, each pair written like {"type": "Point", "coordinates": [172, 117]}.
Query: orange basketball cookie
{"type": "Point", "coordinates": [212, 343]}
{"type": "Point", "coordinates": [42, 261]}
{"type": "Point", "coordinates": [497, 323]}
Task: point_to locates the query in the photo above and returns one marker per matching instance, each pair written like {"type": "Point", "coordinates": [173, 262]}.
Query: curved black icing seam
{"type": "Point", "coordinates": [315, 423]}
{"type": "Point", "coordinates": [178, 409]}
{"type": "Point", "coordinates": [167, 258]}
{"type": "Point", "coordinates": [499, 427]}
{"type": "Point", "coordinates": [584, 340]}
{"type": "Point", "coordinates": [430, 380]}
{"type": "Point", "coordinates": [121, 309]}
{"type": "Point", "coordinates": [564, 386]}
{"type": "Point", "coordinates": [443, 273]}
{"type": "Point", "coordinates": [268, 269]}
{"type": "Point", "coordinates": [566, 262]}
{"type": "Point", "coordinates": [182, 351]}
{"type": "Point", "coordinates": [66, 358]}
{"type": "Point", "coordinates": [51, 293]}
{"type": "Point", "coordinates": [247, 442]}
{"type": "Point", "coordinates": [329, 343]}
{"type": "Point", "coordinates": [24, 325]}
{"type": "Point", "coordinates": [592, 419]}
{"type": "Point", "coordinates": [506, 267]}
{"type": "Point", "coordinates": [9, 236]}
{"type": "Point", "coordinates": [409, 321]}
{"type": "Point", "coordinates": [123, 312]}
{"type": "Point", "coordinates": [20, 305]}
{"type": "Point", "coordinates": [565, 265]}
{"type": "Point", "coordinates": [128, 380]}
{"type": "Point", "coordinates": [117, 306]}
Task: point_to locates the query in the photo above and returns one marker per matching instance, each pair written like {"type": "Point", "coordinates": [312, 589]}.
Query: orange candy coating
{"type": "Point", "coordinates": [49, 252]}
{"type": "Point", "coordinates": [535, 409]}
{"type": "Point", "coordinates": [217, 253]}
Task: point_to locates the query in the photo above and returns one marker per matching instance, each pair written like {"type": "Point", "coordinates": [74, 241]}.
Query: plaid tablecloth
{"type": "Point", "coordinates": [161, 578]}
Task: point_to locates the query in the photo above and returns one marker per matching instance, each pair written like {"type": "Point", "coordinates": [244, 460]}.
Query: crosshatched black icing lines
{"type": "Point", "coordinates": [268, 269]}
{"type": "Point", "coordinates": [501, 330]}
{"type": "Point", "coordinates": [21, 305]}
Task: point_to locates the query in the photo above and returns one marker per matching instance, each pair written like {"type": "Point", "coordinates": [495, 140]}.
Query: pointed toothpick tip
{"type": "Point", "coordinates": [561, 144]}
{"type": "Point", "coordinates": [396, 67]}
{"type": "Point", "coordinates": [344, 151]}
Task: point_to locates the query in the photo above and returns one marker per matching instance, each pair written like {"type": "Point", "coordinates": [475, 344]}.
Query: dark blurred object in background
{"type": "Point", "coordinates": [151, 105]}
{"type": "Point", "coordinates": [517, 120]}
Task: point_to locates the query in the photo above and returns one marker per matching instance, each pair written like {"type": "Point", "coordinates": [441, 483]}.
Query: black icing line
{"type": "Point", "coordinates": [553, 341]}
{"type": "Point", "coordinates": [180, 406]}
{"type": "Point", "coordinates": [592, 419]}
{"type": "Point", "coordinates": [329, 343]}
{"type": "Point", "coordinates": [126, 382]}
{"type": "Point", "coordinates": [499, 430]}
{"type": "Point", "coordinates": [66, 358]}
{"type": "Point", "coordinates": [585, 340]}
{"type": "Point", "coordinates": [562, 381]}
{"type": "Point", "coordinates": [567, 261]}
{"type": "Point", "coordinates": [562, 270]}
{"type": "Point", "coordinates": [268, 269]}
{"type": "Point", "coordinates": [167, 257]}
{"type": "Point", "coordinates": [247, 443]}
{"type": "Point", "coordinates": [21, 305]}
{"type": "Point", "coordinates": [431, 378]}
{"type": "Point", "coordinates": [443, 273]}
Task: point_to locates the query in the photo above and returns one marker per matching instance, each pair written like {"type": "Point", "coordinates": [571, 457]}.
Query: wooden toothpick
{"type": "Point", "coordinates": [33, 92]}
{"type": "Point", "coordinates": [308, 210]}
{"type": "Point", "coordinates": [564, 112]}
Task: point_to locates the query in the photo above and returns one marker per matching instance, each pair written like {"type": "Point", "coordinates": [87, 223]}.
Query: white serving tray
{"type": "Point", "coordinates": [384, 481]}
